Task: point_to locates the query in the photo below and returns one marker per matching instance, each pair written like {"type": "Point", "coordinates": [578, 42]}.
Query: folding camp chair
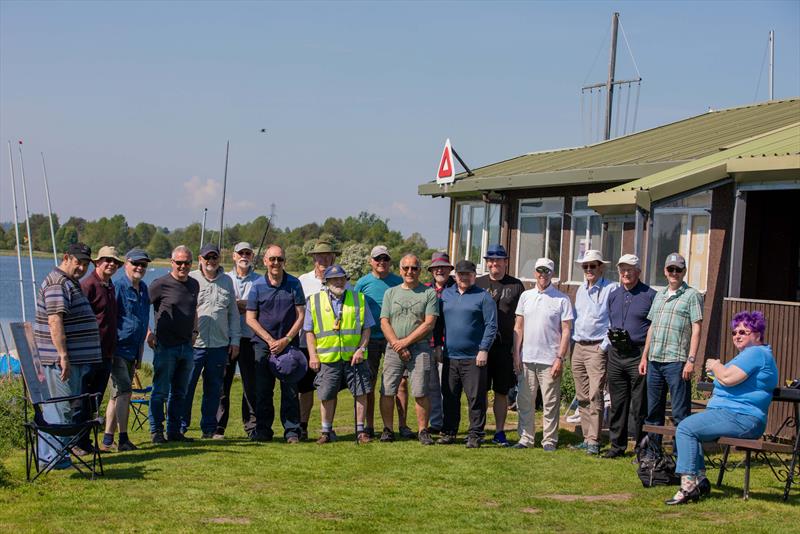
{"type": "Point", "coordinates": [61, 437]}
{"type": "Point", "coordinates": [140, 401]}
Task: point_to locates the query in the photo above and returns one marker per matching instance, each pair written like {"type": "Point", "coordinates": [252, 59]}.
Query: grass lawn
{"type": "Point", "coordinates": [235, 485]}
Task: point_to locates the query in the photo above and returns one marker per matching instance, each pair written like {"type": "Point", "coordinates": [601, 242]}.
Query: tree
{"type": "Point", "coordinates": [65, 236]}
{"type": "Point", "coordinates": [142, 234]}
{"type": "Point", "coordinates": [159, 246]}
{"type": "Point", "coordinates": [354, 259]}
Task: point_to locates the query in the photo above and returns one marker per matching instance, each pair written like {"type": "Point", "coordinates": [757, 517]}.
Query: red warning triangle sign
{"type": "Point", "coordinates": [447, 173]}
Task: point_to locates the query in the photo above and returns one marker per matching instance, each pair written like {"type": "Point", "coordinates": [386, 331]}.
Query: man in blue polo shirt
{"type": "Point", "coordinates": [275, 310]}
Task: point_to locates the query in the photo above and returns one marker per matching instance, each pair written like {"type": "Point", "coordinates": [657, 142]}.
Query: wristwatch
{"type": "Point", "coordinates": [691, 359]}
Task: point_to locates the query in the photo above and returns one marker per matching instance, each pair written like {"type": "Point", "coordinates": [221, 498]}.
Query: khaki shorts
{"type": "Point", "coordinates": [121, 376]}
{"type": "Point", "coordinates": [333, 377]}
{"type": "Point", "coordinates": [418, 368]}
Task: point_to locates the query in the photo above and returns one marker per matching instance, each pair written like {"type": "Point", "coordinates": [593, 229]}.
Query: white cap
{"type": "Point", "coordinates": [378, 251]}
{"type": "Point", "coordinates": [591, 255]}
{"type": "Point", "coordinates": [629, 259]}
{"type": "Point", "coordinates": [242, 245]}
{"type": "Point", "coordinates": [545, 262]}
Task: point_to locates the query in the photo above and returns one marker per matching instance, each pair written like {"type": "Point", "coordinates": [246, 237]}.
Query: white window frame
{"type": "Point", "coordinates": [479, 262]}
{"type": "Point", "coordinates": [548, 215]}
{"type": "Point", "coordinates": [588, 212]}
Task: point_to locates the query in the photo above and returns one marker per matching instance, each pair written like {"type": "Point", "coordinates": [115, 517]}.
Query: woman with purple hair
{"type": "Point", "coordinates": [738, 409]}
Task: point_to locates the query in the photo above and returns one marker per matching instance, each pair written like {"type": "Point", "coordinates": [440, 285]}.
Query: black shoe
{"type": "Point", "coordinates": [208, 435]}
{"type": "Point", "coordinates": [704, 486]}
{"type": "Point", "coordinates": [435, 431]}
{"type": "Point", "coordinates": [259, 437]}
{"type": "Point", "coordinates": [177, 436]}
{"type": "Point", "coordinates": [387, 436]}
{"type": "Point", "coordinates": [425, 437]}
{"type": "Point", "coordinates": [683, 497]}
{"type": "Point", "coordinates": [126, 446]}
{"type": "Point", "coordinates": [473, 442]}
{"type": "Point", "coordinates": [446, 439]}
{"type": "Point", "coordinates": [614, 453]}
{"type": "Point", "coordinates": [406, 433]}
{"type": "Point", "coordinates": [303, 434]}
{"type": "Point", "coordinates": [369, 431]}
{"type": "Point", "coordinates": [158, 438]}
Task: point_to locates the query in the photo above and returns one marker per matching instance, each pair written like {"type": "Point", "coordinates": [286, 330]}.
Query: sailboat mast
{"type": "Point", "coordinates": [27, 220]}
{"type": "Point", "coordinates": [612, 64]}
{"type": "Point", "coordinates": [224, 189]}
{"type": "Point", "coordinates": [16, 231]}
{"type": "Point", "coordinates": [49, 211]}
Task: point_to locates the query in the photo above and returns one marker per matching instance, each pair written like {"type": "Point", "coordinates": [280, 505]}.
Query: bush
{"type": "Point", "coordinates": [146, 370]}
{"type": "Point", "coordinates": [567, 384]}
{"type": "Point", "coordinates": [11, 413]}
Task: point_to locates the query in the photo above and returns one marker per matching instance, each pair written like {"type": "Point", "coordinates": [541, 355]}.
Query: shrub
{"type": "Point", "coordinates": [567, 384]}
{"type": "Point", "coordinates": [11, 413]}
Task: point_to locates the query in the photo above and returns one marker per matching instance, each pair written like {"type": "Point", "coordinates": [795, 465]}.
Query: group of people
{"type": "Point", "coordinates": [317, 332]}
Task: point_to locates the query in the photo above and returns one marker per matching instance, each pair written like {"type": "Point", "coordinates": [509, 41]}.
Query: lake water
{"type": "Point", "coordinates": [10, 306]}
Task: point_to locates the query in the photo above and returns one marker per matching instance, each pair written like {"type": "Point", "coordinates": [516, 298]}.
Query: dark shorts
{"type": "Point", "coordinates": [500, 369]}
{"type": "Point", "coordinates": [121, 376]}
{"type": "Point", "coordinates": [306, 384]}
{"type": "Point", "coordinates": [334, 377]}
{"type": "Point", "coordinates": [375, 351]}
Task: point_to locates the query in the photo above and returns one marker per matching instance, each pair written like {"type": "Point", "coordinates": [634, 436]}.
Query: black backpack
{"type": "Point", "coordinates": [655, 467]}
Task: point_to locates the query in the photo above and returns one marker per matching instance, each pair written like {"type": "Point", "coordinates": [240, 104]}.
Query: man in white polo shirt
{"type": "Point", "coordinates": [541, 341]}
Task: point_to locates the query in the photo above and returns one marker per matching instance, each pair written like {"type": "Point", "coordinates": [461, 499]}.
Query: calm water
{"type": "Point", "coordinates": [10, 306]}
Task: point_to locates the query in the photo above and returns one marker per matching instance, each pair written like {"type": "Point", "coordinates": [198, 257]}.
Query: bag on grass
{"type": "Point", "coordinates": [655, 468]}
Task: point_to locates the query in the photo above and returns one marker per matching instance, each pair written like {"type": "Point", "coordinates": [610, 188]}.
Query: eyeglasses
{"type": "Point", "coordinates": [139, 264]}
{"type": "Point", "coordinates": [245, 253]}
{"type": "Point", "coordinates": [211, 257]}
{"type": "Point", "coordinates": [180, 263]}
{"type": "Point", "coordinates": [276, 259]}
{"type": "Point", "coordinates": [412, 268]}
{"type": "Point", "coordinates": [740, 332]}
{"type": "Point", "coordinates": [673, 270]}
{"type": "Point", "coordinates": [589, 266]}
{"type": "Point", "coordinates": [110, 261]}
{"type": "Point", "coordinates": [382, 258]}
{"type": "Point", "coordinates": [543, 270]}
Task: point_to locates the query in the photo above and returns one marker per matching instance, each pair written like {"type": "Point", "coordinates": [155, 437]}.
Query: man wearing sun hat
{"type": "Point", "coordinates": [440, 269]}
{"type": "Point", "coordinates": [541, 341]}
{"type": "Point", "coordinates": [337, 323]}
{"type": "Point", "coordinates": [589, 351]}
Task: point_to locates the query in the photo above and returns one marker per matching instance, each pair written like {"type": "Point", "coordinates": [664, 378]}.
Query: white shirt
{"type": "Point", "coordinates": [543, 312]}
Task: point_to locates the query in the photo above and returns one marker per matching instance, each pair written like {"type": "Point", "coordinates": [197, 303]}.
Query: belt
{"type": "Point", "coordinates": [590, 342]}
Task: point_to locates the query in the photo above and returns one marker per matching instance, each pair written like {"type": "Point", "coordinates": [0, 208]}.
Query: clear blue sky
{"type": "Point", "coordinates": [132, 102]}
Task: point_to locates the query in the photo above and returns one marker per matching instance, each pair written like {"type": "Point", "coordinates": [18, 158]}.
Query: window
{"type": "Point", "coordinates": [477, 227]}
{"type": "Point", "coordinates": [681, 226]}
{"type": "Point", "coordinates": [540, 223]}
{"type": "Point", "coordinates": [612, 246]}
{"type": "Point", "coordinates": [586, 234]}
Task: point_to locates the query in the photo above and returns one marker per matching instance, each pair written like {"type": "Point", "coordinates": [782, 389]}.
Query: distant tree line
{"type": "Point", "coordinates": [354, 237]}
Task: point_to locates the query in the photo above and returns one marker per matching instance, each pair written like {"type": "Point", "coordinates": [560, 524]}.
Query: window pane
{"type": "Point", "coordinates": [669, 233]}
{"type": "Point", "coordinates": [578, 247]}
{"type": "Point", "coordinates": [463, 230]}
{"type": "Point", "coordinates": [698, 253]}
{"type": "Point", "coordinates": [476, 236]}
{"type": "Point", "coordinates": [612, 248]}
{"type": "Point", "coordinates": [554, 246]}
{"type": "Point", "coordinates": [494, 224]}
{"type": "Point", "coordinates": [544, 205]}
{"type": "Point", "coordinates": [580, 204]}
{"type": "Point", "coordinates": [531, 245]}
{"type": "Point", "coordinates": [700, 200]}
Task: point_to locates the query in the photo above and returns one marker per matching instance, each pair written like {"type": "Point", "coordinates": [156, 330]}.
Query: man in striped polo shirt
{"type": "Point", "coordinates": [67, 338]}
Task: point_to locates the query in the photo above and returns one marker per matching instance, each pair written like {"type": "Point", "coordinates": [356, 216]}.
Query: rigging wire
{"type": "Point", "coordinates": [618, 96]}
{"type": "Point", "coordinates": [761, 72]}
{"type": "Point", "coordinates": [630, 52]}
{"type": "Point", "coordinates": [636, 106]}
{"type": "Point", "coordinates": [597, 55]}
{"type": "Point", "coordinates": [627, 111]}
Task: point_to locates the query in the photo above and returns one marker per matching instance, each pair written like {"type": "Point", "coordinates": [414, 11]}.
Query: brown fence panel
{"type": "Point", "coordinates": [782, 334]}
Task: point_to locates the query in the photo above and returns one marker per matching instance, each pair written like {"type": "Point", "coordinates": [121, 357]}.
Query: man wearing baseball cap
{"type": "Point", "coordinates": [589, 352]}
{"type": "Point", "coordinates": [470, 318]}
{"type": "Point", "coordinates": [541, 341]}
{"type": "Point", "coordinates": [68, 340]}
{"type": "Point", "coordinates": [671, 346]}
{"type": "Point", "coordinates": [337, 323]}
{"type": "Point", "coordinates": [374, 285]}
{"type": "Point", "coordinates": [628, 306]}
{"type": "Point", "coordinates": [243, 275]}
{"type": "Point", "coordinates": [99, 290]}
{"type": "Point", "coordinates": [505, 290]}
{"type": "Point", "coordinates": [133, 317]}
{"type": "Point", "coordinates": [217, 340]}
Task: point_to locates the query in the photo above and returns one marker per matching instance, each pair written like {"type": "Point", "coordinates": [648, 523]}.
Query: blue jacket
{"type": "Point", "coordinates": [470, 321]}
{"type": "Point", "coordinates": [133, 318]}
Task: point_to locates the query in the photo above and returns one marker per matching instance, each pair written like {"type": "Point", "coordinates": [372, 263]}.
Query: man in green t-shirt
{"type": "Point", "coordinates": [408, 314]}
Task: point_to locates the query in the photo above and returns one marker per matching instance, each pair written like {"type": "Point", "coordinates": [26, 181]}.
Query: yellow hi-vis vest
{"type": "Point", "coordinates": [337, 344]}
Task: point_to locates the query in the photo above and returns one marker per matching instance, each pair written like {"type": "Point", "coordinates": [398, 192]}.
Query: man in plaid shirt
{"type": "Point", "coordinates": [671, 346]}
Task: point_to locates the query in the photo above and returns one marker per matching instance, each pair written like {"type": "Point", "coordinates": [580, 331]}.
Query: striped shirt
{"type": "Point", "coordinates": [672, 317]}
{"type": "Point", "coordinates": [60, 294]}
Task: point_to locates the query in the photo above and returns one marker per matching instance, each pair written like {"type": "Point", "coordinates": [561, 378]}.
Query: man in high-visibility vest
{"type": "Point", "coordinates": [337, 325]}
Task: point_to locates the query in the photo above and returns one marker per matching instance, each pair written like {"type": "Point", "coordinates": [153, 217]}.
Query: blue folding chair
{"type": "Point", "coordinates": [140, 403]}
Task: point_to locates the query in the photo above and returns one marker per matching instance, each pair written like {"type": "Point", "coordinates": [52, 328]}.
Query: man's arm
{"type": "Point", "coordinates": [563, 347]}
{"type": "Point", "coordinates": [489, 308]}
{"type": "Point", "coordinates": [388, 332]}
{"type": "Point", "coordinates": [358, 355]}
{"type": "Point", "coordinates": [645, 352]}
{"type": "Point", "coordinates": [252, 321]}
{"type": "Point", "coordinates": [694, 344]}
{"type": "Point", "coordinates": [234, 325]}
{"type": "Point", "coordinates": [59, 338]}
{"type": "Point", "coordinates": [279, 345]}
{"type": "Point", "coordinates": [519, 330]}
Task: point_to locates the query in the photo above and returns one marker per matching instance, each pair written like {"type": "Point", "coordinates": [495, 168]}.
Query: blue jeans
{"type": "Point", "coordinates": [210, 363]}
{"type": "Point", "coordinates": [661, 377]}
{"type": "Point", "coordinates": [708, 426]}
{"type": "Point", "coordinates": [265, 407]}
{"type": "Point", "coordinates": [171, 369]}
{"type": "Point", "coordinates": [60, 412]}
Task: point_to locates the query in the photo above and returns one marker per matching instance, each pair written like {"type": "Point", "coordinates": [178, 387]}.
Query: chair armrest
{"type": "Point", "coordinates": [69, 398]}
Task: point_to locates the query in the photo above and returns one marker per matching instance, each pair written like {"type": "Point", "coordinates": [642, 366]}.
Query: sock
{"type": "Point", "coordinates": [359, 428]}
{"type": "Point", "coordinates": [108, 439]}
{"type": "Point", "coordinates": [688, 482]}
{"type": "Point", "coordinates": [123, 437]}
{"type": "Point", "coordinates": [327, 427]}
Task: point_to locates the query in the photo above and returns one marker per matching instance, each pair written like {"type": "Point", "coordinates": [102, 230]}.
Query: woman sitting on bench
{"type": "Point", "coordinates": [738, 408]}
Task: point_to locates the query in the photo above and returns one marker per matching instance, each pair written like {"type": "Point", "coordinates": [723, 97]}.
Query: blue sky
{"type": "Point", "coordinates": [132, 103]}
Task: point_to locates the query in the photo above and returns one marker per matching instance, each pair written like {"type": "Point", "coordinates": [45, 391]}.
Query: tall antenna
{"type": "Point", "coordinates": [612, 64]}
{"type": "Point", "coordinates": [224, 188]}
{"type": "Point", "coordinates": [771, 64]}
{"type": "Point", "coordinates": [203, 228]}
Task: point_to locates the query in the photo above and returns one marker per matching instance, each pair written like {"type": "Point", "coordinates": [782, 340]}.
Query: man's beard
{"type": "Point", "coordinates": [336, 291]}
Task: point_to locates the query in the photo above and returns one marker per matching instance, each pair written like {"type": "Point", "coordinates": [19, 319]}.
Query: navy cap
{"type": "Point", "coordinates": [465, 266]}
{"type": "Point", "coordinates": [334, 271]}
{"type": "Point", "coordinates": [137, 254]}
{"type": "Point", "coordinates": [290, 365]}
{"type": "Point", "coordinates": [496, 252]}
{"type": "Point", "coordinates": [80, 251]}
{"type": "Point", "coordinates": [209, 248]}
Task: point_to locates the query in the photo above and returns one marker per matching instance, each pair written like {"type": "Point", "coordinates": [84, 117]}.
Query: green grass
{"type": "Point", "coordinates": [235, 485]}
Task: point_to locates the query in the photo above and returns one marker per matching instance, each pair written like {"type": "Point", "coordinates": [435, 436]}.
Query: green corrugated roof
{"type": "Point", "coordinates": [630, 157]}
{"type": "Point", "coordinates": [782, 146]}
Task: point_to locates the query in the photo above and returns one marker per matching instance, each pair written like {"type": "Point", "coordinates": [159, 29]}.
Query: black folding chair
{"type": "Point", "coordinates": [140, 403]}
{"type": "Point", "coordinates": [38, 395]}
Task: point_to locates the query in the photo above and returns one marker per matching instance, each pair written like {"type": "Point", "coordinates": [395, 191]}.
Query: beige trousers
{"type": "Point", "coordinates": [589, 372]}
{"type": "Point", "coordinates": [533, 377]}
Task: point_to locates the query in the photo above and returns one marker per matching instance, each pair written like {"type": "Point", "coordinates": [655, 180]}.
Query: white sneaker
{"type": "Point", "coordinates": [574, 418]}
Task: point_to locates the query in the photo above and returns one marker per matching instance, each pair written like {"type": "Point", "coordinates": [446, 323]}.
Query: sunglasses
{"type": "Point", "coordinates": [211, 257]}
{"type": "Point", "coordinates": [674, 270]}
{"type": "Point", "coordinates": [740, 332]}
{"type": "Point", "coordinates": [543, 270]}
{"type": "Point", "coordinates": [412, 268]}
{"type": "Point", "coordinates": [245, 253]}
{"type": "Point", "coordinates": [180, 263]}
{"type": "Point", "coordinates": [589, 266]}
{"type": "Point", "coordinates": [382, 258]}
{"type": "Point", "coordinates": [276, 259]}
{"type": "Point", "coordinates": [111, 261]}
{"type": "Point", "coordinates": [139, 264]}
